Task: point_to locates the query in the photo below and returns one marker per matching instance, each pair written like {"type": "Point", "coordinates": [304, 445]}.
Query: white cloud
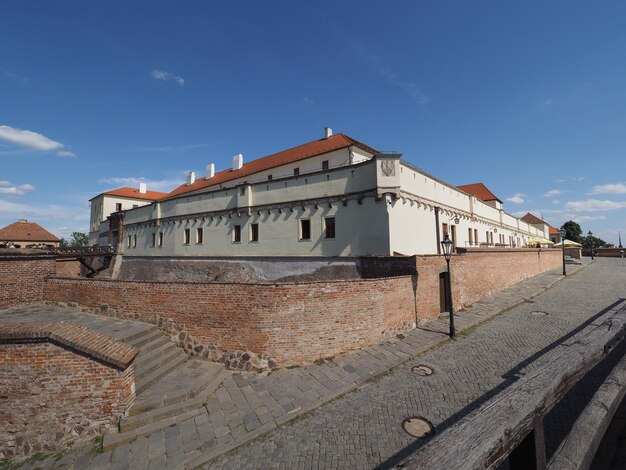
{"type": "Point", "coordinates": [553, 192]}
{"type": "Point", "coordinates": [591, 205]}
{"type": "Point", "coordinates": [585, 218]}
{"type": "Point", "coordinates": [29, 139]}
{"type": "Point", "coordinates": [556, 201]}
{"type": "Point", "coordinates": [44, 212]}
{"type": "Point", "coordinates": [517, 198]}
{"type": "Point", "coordinates": [380, 67]}
{"type": "Point", "coordinates": [33, 141]}
{"type": "Point", "coordinates": [14, 190]}
{"type": "Point", "coordinates": [548, 102]}
{"type": "Point", "coordinates": [15, 77]}
{"type": "Point", "coordinates": [559, 180]}
{"type": "Point", "coordinates": [164, 76]}
{"type": "Point", "coordinates": [308, 100]}
{"type": "Point", "coordinates": [153, 185]}
{"type": "Point", "coordinates": [611, 188]}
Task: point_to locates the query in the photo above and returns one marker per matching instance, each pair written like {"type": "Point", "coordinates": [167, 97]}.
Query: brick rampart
{"type": "Point", "coordinates": [255, 325]}
{"type": "Point", "coordinates": [59, 383]}
{"type": "Point", "coordinates": [22, 279]}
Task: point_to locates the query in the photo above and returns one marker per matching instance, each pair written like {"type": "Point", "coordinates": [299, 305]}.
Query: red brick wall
{"type": "Point", "coordinates": [477, 273]}
{"type": "Point", "coordinates": [235, 323]}
{"type": "Point", "coordinates": [68, 268]}
{"type": "Point", "coordinates": [22, 279]}
{"type": "Point", "coordinates": [247, 325]}
{"type": "Point", "coordinates": [50, 397]}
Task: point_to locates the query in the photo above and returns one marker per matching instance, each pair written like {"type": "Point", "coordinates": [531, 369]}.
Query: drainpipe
{"type": "Point", "coordinates": [437, 230]}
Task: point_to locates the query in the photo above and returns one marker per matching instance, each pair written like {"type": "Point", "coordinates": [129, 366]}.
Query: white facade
{"type": "Point", "coordinates": [363, 204]}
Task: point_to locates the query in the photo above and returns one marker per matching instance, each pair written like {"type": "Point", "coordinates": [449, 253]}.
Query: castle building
{"type": "Point", "coordinates": [331, 197]}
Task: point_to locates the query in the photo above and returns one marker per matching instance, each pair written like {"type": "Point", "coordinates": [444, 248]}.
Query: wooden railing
{"type": "Point", "coordinates": [510, 425]}
{"type": "Point", "coordinates": [84, 251]}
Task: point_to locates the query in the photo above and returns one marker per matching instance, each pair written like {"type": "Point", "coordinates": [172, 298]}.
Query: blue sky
{"type": "Point", "coordinates": [527, 97]}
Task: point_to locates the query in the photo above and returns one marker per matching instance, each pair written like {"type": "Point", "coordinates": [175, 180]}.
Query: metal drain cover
{"type": "Point", "coordinates": [538, 313]}
{"type": "Point", "coordinates": [418, 427]}
{"type": "Point", "coordinates": [422, 370]}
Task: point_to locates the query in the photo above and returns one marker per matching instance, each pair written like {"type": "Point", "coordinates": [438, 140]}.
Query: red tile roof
{"type": "Point", "coordinates": [301, 152]}
{"type": "Point", "coordinates": [553, 231]}
{"type": "Point", "coordinates": [22, 230]}
{"type": "Point", "coordinates": [135, 194]}
{"type": "Point", "coordinates": [532, 219]}
{"type": "Point", "coordinates": [480, 191]}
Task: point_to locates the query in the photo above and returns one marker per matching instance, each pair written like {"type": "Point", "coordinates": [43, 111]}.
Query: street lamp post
{"type": "Point", "coordinates": [589, 235]}
{"type": "Point", "coordinates": [562, 232]}
{"type": "Point", "coordinates": [446, 246]}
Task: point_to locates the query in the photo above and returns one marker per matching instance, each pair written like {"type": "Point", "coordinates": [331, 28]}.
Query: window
{"type": "Point", "coordinates": [444, 230]}
{"type": "Point", "coordinates": [186, 236]}
{"type": "Point", "coordinates": [237, 234]}
{"type": "Point", "coordinates": [329, 227]}
{"type": "Point", "coordinates": [160, 239]}
{"type": "Point", "coordinates": [199, 235]}
{"type": "Point", "coordinates": [254, 232]}
{"type": "Point", "coordinates": [134, 241]}
{"type": "Point", "coordinates": [296, 172]}
{"type": "Point", "coordinates": [471, 236]}
{"type": "Point", "coordinates": [325, 165]}
{"type": "Point", "coordinates": [154, 238]}
{"type": "Point", "coordinates": [476, 236]}
{"type": "Point", "coordinates": [118, 206]}
{"type": "Point", "coordinates": [305, 229]}
{"type": "Point", "coordinates": [269, 177]}
{"type": "Point", "coordinates": [242, 190]}
{"type": "Point", "coordinates": [135, 206]}
{"type": "Point", "coordinates": [129, 241]}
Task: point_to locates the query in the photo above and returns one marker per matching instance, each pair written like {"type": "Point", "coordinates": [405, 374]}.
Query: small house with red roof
{"type": "Point", "coordinates": [334, 196]}
{"type": "Point", "coordinates": [25, 234]}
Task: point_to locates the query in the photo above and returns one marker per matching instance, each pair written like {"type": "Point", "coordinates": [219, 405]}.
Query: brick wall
{"type": "Point", "coordinates": [255, 325]}
{"type": "Point", "coordinates": [69, 268]}
{"type": "Point", "coordinates": [22, 279]}
{"type": "Point", "coordinates": [258, 325]}
{"type": "Point", "coordinates": [59, 383]}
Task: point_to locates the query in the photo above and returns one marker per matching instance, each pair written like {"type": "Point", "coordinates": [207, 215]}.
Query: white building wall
{"type": "Point", "coordinates": [360, 229]}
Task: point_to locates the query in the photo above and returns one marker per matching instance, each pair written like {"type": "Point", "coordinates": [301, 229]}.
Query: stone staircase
{"type": "Point", "coordinates": [170, 387]}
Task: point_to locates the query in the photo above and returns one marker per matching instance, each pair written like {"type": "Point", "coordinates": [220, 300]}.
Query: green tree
{"type": "Point", "coordinates": [593, 242]}
{"type": "Point", "coordinates": [77, 239]}
{"type": "Point", "coordinates": [573, 231]}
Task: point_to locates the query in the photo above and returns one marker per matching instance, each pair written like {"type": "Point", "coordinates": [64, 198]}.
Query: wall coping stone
{"type": "Point", "coordinates": [80, 338]}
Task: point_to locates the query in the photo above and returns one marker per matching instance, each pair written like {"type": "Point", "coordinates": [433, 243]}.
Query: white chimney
{"type": "Point", "coordinates": [191, 178]}
{"type": "Point", "coordinates": [142, 188]}
{"type": "Point", "coordinates": [210, 171]}
{"type": "Point", "coordinates": [237, 162]}
{"type": "Point", "coordinates": [328, 132]}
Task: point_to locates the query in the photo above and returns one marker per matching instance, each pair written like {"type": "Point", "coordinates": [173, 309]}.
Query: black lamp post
{"type": "Point", "coordinates": [562, 232]}
{"type": "Point", "coordinates": [446, 246]}
{"type": "Point", "coordinates": [589, 235]}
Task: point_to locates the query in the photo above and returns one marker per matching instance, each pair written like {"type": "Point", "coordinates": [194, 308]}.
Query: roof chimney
{"type": "Point", "coordinates": [328, 132]}
{"type": "Point", "coordinates": [210, 171]}
{"type": "Point", "coordinates": [237, 162]}
{"type": "Point", "coordinates": [142, 188]}
{"type": "Point", "coordinates": [191, 178]}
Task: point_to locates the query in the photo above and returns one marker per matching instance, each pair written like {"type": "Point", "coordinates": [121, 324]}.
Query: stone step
{"type": "Point", "coordinates": [145, 338]}
{"type": "Point", "coordinates": [212, 371]}
{"type": "Point", "coordinates": [165, 411]}
{"type": "Point", "coordinates": [143, 382]}
{"type": "Point", "coordinates": [147, 331]}
{"type": "Point", "coordinates": [148, 354]}
{"type": "Point", "coordinates": [156, 360]}
{"type": "Point", "coordinates": [114, 439]}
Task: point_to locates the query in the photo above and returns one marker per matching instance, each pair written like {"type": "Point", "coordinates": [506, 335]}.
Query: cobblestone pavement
{"type": "Point", "coordinates": [362, 429]}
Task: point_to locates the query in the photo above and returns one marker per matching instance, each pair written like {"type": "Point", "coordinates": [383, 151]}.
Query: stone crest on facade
{"type": "Point", "coordinates": [388, 168]}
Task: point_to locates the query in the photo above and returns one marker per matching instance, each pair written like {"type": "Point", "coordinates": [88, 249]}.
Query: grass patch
{"type": "Point", "coordinates": [97, 443]}
{"type": "Point", "coordinates": [293, 366]}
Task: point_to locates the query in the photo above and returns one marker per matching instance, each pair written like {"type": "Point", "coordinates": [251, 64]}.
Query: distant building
{"type": "Point", "coordinates": [555, 235]}
{"type": "Point", "coordinates": [25, 234]}
{"type": "Point", "coordinates": [334, 196]}
{"type": "Point", "coordinates": [117, 200]}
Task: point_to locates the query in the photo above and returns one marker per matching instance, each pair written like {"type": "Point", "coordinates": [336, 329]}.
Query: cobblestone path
{"type": "Point", "coordinates": [362, 430]}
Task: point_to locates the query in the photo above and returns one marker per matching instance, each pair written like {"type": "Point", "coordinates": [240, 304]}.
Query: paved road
{"type": "Point", "coordinates": [363, 429]}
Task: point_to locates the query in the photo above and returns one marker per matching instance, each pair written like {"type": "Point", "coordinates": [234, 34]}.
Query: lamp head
{"type": "Point", "coordinates": [446, 246]}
